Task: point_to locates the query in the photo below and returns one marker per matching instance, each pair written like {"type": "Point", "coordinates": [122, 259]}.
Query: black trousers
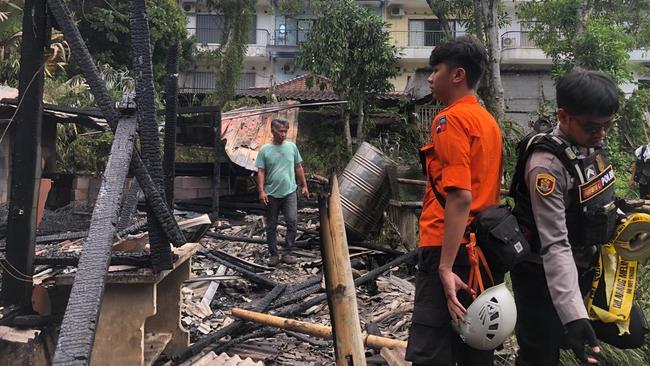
{"type": "Point", "coordinates": [540, 333]}
{"type": "Point", "coordinates": [432, 341]}
{"type": "Point", "coordinates": [644, 190]}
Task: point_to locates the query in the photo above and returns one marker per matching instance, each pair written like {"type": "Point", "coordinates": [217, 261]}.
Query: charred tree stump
{"type": "Point", "coordinates": [171, 116]}
{"type": "Point", "coordinates": [77, 334]}
{"type": "Point", "coordinates": [161, 253]}
{"type": "Point", "coordinates": [26, 159]}
{"type": "Point", "coordinates": [154, 197]}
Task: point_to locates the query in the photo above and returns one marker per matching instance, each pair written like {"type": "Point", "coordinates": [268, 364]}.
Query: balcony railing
{"type": "Point", "coordinates": [213, 35]}
{"type": "Point", "coordinates": [517, 39]}
{"type": "Point", "coordinates": [417, 38]}
{"type": "Point", "coordinates": [290, 37]}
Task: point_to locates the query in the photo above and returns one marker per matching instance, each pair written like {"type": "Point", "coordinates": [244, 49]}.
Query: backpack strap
{"type": "Point", "coordinates": [548, 142]}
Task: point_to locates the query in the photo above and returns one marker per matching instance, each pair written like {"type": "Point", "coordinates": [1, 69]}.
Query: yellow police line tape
{"type": "Point", "coordinates": [617, 267]}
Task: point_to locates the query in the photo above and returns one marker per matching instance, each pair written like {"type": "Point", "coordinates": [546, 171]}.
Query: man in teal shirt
{"type": "Point", "coordinates": [278, 164]}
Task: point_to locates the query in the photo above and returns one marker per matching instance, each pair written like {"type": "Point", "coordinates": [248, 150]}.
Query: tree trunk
{"type": "Point", "coordinates": [582, 14]}
{"type": "Point", "coordinates": [440, 11]}
{"type": "Point", "coordinates": [478, 20]}
{"type": "Point", "coordinates": [346, 127]}
{"type": "Point", "coordinates": [360, 135]}
{"type": "Point", "coordinates": [494, 99]}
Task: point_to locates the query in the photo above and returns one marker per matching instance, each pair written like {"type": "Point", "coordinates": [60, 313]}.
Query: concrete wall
{"type": "Point", "coordinates": [85, 188]}
{"type": "Point", "coordinates": [524, 90]}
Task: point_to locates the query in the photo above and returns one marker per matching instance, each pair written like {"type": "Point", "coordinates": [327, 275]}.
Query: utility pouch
{"type": "Point", "coordinates": [601, 225]}
{"type": "Point", "coordinates": [499, 236]}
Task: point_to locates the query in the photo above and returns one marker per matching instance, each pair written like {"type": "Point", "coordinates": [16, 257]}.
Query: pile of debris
{"type": "Point", "coordinates": [385, 305]}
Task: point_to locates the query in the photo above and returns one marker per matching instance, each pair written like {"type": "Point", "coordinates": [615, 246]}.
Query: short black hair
{"type": "Point", "coordinates": [276, 122]}
{"type": "Point", "coordinates": [466, 52]}
{"type": "Point", "coordinates": [587, 92]}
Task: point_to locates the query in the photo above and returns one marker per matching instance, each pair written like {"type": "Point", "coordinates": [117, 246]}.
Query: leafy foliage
{"type": "Point", "coordinates": [228, 57]}
{"type": "Point", "coordinates": [611, 31]}
{"type": "Point", "coordinates": [350, 46]}
{"type": "Point", "coordinates": [105, 28]}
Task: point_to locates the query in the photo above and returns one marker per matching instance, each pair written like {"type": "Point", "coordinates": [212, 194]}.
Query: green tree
{"type": "Point", "coordinates": [595, 35]}
{"type": "Point", "coordinates": [228, 57]}
{"type": "Point", "coordinates": [350, 46]}
{"type": "Point", "coordinates": [481, 18]}
{"type": "Point", "coordinates": [105, 28]}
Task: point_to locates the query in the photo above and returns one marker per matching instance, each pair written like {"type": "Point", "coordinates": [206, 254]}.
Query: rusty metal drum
{"type": "Point", "coordinates": [365, 190]}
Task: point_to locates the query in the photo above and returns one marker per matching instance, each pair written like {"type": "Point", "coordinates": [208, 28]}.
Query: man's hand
{"type": "Point", "coordinates": [451, 284]}
{"type": "Point", "coordinates": [578, 333]}
{"type": "Point", "coordinates": [304, 191]}
{"type": "Point", "coordinates": [264, 198]}
{"type": "Point", "coordinates": [631, 183]}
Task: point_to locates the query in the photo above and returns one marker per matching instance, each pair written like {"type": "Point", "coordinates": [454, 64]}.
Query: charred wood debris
{"type": "Point", "coordinates": [230, 272]}
{"type": "Point", "coordinates": [120, 234]}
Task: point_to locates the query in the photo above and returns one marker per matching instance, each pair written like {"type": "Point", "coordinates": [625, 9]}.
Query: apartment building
{"type": "Point", "coordinates": [275, 38]}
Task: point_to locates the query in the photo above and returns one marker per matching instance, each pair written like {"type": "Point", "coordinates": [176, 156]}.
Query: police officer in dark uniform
{"type": "Point", "coordinates": [564, 194]}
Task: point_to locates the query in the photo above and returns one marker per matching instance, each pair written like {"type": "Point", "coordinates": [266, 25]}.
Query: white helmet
{"type": "Point", "coordinates": [489, 320]}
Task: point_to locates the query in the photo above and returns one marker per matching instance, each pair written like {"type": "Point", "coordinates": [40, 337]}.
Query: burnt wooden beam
{"type": "Point", "coordinates": [219, 152]}
{"type": "Point", "coordinates": [370, 276]}
{"type": "Point", "coordinates": [26, 158]}
{"type": "Point", "coordinates": [135, 228]}
{"type": "Point", "coordinates": [248, 274]}
{"type": "Point", "coordinates": [61, 237]}
{"type": "Point", "coordinates": [117, 258]}
{"type": "Point", "coordinates": [106, 104]}
{"type": "Point", "coordinates": [129, 206]}
{"type": "Point", "coordinates": [161, 253]}
{"type": "Point", "coordinates": [77, 334]}
{"type": "Point", "coordinates": [171, 117]}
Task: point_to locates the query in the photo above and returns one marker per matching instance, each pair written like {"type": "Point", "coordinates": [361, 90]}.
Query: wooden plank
{"type": "Point", "coordinates": [341, 292]}
{"type": "Point", "coordinates": [313, 329]}
{"type": "Point", "coordinates": [26, 132]}
{"type": "Point", "coordinates": [77, 334]}
{"type": "Point", "coordinates": [14, 335]}
{"type": "Point", "coordinates": [394, 356]}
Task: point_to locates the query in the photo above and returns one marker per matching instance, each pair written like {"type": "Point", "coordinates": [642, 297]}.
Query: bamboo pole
{"type": "Point", "coordinates": [341, 292]}
{"type": "Point", "coordinates": [312, 329]}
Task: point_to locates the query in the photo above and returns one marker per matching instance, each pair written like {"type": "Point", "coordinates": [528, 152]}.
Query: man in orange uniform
{"type": "Point", "coordinates": [463, 168]}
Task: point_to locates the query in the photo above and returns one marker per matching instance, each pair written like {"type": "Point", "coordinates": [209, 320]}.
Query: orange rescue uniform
{"type": "Point", "coordinates": [465, 152]}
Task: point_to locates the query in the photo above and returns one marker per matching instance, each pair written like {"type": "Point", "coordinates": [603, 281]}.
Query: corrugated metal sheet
{"type": "Point", "coordinates": [297, 89]}
{"type": "Point", "coordinates": [246, 131]}
{"type": "Point", "coordinates": [211, 359]}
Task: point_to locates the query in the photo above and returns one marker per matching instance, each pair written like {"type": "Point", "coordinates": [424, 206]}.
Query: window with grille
{"type": "Point", "coordinates": [426, 32]}
{"type": "Point", "coordinates": [209, 28]}
{"type": "Point", "coordinates": [246, 80]}
{"type": "Point", "coordinates": [204, 81]}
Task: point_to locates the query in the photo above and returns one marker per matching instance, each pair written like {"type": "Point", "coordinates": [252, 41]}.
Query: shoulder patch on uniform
{"type": "Point", "coordinates": [544, 184]}
{"type": "Point", "coordinates": [441, 124]}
